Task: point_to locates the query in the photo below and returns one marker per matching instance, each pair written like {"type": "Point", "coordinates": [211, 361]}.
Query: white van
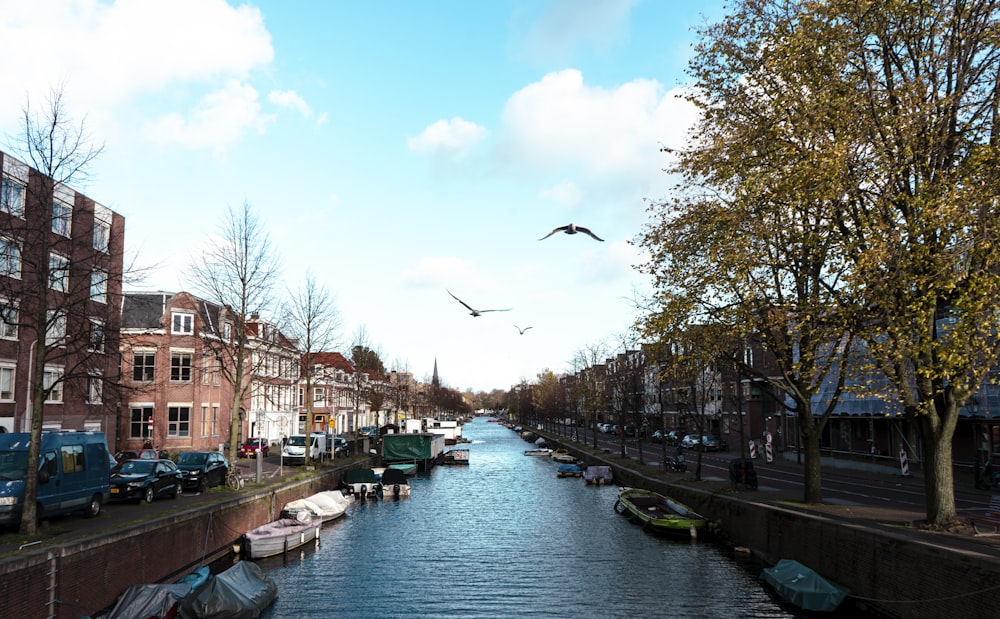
{"type": "Point", "coordinates": [294, 449]}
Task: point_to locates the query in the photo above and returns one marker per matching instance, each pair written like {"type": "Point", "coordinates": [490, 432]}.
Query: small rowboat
{"type": "Point", "coordinates": [280, 536]}
{"type": "Point", "coordinates": [658, 514]}
{"type": "Point", "coordinates": [803, 587]}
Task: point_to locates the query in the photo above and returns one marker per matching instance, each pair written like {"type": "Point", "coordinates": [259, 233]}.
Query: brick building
{"type": "Point", "coordinates": [61, 260]}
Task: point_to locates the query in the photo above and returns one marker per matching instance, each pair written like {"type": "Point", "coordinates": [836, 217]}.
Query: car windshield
{"type": "Point", "coordinates": [13, 465]}
{"type": "Point", "coordinates": [297, 441]}
{"type": "Point", "coordinates": [132, 467]}
{"type": "Point", "coordinates": [192, 457]}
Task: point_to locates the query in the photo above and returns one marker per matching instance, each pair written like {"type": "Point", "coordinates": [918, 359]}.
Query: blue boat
{"type": "Point", "coordinates": [569, 470]}
{"type": "Point", "coordinates": [799, 585]}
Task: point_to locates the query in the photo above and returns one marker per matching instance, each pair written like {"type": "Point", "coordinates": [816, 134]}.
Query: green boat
{"type": "Point", "coordinates": [801, 586]}
{"type": "Point", "coordinates": [658, 514]}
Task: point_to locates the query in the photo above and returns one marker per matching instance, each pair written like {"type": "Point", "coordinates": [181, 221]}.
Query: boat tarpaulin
{"type": "Point", "coordinates": [240, 592]}
{"type": "Point", "coordinates": [803, 587]}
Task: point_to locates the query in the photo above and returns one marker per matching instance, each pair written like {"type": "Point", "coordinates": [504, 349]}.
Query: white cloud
{"type": "Point", "coordinates": [291, 100]}
{"type": "Point", "coordinates": [108, 53]}
{"type": "Point", "coordinates": [567, 193]}
{"type": "Point", "coordinates": [219, 121]}
{"type": "Point", "coordinates": [562, 124]}
{"type": "Point", "coordinates": [450, 138]}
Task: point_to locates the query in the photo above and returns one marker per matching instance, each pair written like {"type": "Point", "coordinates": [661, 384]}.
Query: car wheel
{"type": "Point", "coordinates": [177, 490]}
{"type": "Point", "coordinates": [94, 508]}
{"type": "Point", "coordinates": [148, 496]}
{"type": "Point", "coordinates": [203, 485]}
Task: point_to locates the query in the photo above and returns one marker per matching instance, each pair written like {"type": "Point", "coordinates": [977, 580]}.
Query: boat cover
{"type": "Point", "coordinates": [595, 473]}
{"type": "Point", "coordinates": [241, 592]}
{"type": "Point", "coordinates": [360, 476]}
{"type": "Point", "coordinates": [803, 587]}
{"type": "Point", "coordinates": [148, 601]}
{"type": "Point", "coordinates": [393, 476]}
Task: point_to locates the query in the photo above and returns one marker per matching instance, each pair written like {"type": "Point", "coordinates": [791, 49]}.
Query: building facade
{"type": "Point", "coordinates": [61, 262]}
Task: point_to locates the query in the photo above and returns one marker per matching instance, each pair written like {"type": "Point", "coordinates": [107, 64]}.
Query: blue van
{"type": "Point", "coordinates": [73, 473]}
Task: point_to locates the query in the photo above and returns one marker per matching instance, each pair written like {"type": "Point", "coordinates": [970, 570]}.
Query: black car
{"type": "Point", "coordinates": [202, 469]}
{"type": "Point", "coordinates": [144, 480]}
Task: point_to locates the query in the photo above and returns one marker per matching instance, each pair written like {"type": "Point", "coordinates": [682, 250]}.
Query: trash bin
{"type": "Point", "coordinates": [737, 468]}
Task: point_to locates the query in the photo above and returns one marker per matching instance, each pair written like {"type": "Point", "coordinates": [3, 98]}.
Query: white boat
{"type": "Point", "coordinates": [394, 484]}
{"type": "Point", "coordinates": [538, 451]}
{"type": "Point", "coordinates": [563, 456]}
{"type": "Point", "coordinates": [280, 536]}
{"type": "Point", "coordinates": [408, 468]}
{"type": "Point", "coordinates": [363, 484]}
{"type": "Point", "coordinates": [327, 505]}
{"type": "Point", "coordinates": [598, 475]}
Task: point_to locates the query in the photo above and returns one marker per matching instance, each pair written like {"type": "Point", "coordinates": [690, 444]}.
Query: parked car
{"type": "Point", "coordinates": [690, 441]}
{"type": "Point", "coordinates": [657, 436]}
{"type": "Point", "coordinates": [202, 469]}
{"type": "Point", "coordinates": [713, 443]}
{"type": "Point", "coordinates": [674, 438]}
{"type": "Point", "coordinates": [145, 480]}
{"type": "Point", "coordinates": [252, 446]}
{"type": "Point", "coordinates": [341, 447]}
{"type": "Point", "coordinates": [139, 454]}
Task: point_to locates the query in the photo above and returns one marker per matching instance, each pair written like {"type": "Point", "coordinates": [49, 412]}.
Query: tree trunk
{"type": "Point", "coordinates": [812, 480]}
{"type": "Point", "coordinates": [939, 477]}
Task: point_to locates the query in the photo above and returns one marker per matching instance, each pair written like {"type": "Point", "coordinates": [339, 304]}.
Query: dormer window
{"type": "Point", "coordinates": [182, 324]}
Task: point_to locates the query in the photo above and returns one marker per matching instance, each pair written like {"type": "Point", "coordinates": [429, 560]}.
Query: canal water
{"type": "Point", "coordinates": [504, 537]}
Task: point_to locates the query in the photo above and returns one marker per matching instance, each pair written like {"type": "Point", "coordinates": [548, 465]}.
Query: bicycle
{"type": "Point", "coordinates": [234, 479]}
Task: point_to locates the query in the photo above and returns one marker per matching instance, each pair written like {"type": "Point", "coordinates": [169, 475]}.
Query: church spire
{"type": "Point", "coordinates": [435, 381]}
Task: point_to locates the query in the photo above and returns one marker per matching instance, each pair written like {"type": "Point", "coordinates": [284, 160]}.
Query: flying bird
{"type": "Point", "coordinates": [571, 229]}
{"type": "Point", "coordinates": [475, 312]}
{"type": "Point", "coordinates": [520, 330]}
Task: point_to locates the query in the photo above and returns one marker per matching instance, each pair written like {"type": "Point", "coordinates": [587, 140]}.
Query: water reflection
{"type": "Point", "coordinates": [504, 537]}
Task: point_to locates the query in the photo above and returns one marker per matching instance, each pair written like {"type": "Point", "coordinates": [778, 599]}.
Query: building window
{"type": "Point", "coordinates": [62, 217]}
{"type": "Point", "coordinates": [55, 331]}
{"type": "Point", "coordinates": [96, 343]}
{"type": "Point", "coordinates": [95, 387]}
{"type": "Point", "coordinates": [58, 272]}
{"type": "Point", "coordinates": [319, 395]}
{"type": "Point", "coordinates": [7, 374]}
{"type": "Point", "coordinates": [204, 420]}
{"type": "Point", "coordinates": [99, 285]}
{"type": "Point", "coordinates": [12, 197]}
{"type": "Point", "coordinates": [52, 383]}
{"type": "Point", "coordinates": [227, 331]}
{"type": "Point", "coordinates": [102, 231]}
{"type": "Point", "coordinates": [180, 367]}
{"type": "Point", "coordinates": [178, 421]}
{"type": "Point", "coordinates": [10, 257]}
{"type": "Point", "coordinates": [215, 419]}
{"type": "Point", "coordinates": [182, 324]}
{"type": "Point", "coordinates": [143, 363]}
{"type": "Point", "coordinates": [8, 320]}
{"type": "Point", "coordinates": [138, 426]}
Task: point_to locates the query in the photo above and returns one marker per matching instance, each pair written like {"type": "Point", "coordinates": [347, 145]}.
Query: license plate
{"type": "Point", "coordinates": [114, 491]}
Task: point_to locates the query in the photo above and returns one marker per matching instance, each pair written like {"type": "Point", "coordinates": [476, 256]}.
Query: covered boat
{"type": "Point", "coordinates": [657, 513]}
{"type": "Point", "coordinates": [280, 536]}
{"type": "Point", "coordinates": [569, 470]}
{"type": "Point", "coordinates": [361, 483]}
{"type": "Point", "coordinates": [327, 505]}
{"type": "Point", "coordinates": [241, 592]}
{"type": "Point", "coordinates": [394, 484]}
{"type": "Point", "coordinates": [598, 475]}
{"type": "Point", "coordinates": [799, 585]}
{"type": "Point", "coordinates": [408, 468]}
{"type": "Point", "coordinates": [563, 455]}
{"type": "Point", "coordinates": [538, 451]}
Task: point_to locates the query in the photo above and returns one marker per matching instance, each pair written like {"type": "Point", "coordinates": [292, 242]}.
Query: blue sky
{"type": "Point", "coordinates": [395, 149]}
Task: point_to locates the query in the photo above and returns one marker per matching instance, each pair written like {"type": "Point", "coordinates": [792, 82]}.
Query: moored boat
{"type": "Point", "coordinates": [280, 536]}
{"type": "Point", "coordinates": [408, 468]}
{"type": "Point", "coordinates": [569, 470]}
{"type": "Point", "coordinates": [538, 451]}
{"type": "Point", "coordinates": [658, 514]}
{"type": "Point", "coordinates": [394, 484]}
{"type": "Point", "coordinates": [454, 456]}
{"type": "Point", "coordinates": [563, 456]}
{"type": "Point", "coordinates": [361, 483]}
{"type": "Point", "coordinates": [327, 505]}
{"type": "Point", "coordinates": [243, 590]}
{"type": "Point", "coordinates": [598, 475]}
{"type": "Point", "coordinates": [801, 586]}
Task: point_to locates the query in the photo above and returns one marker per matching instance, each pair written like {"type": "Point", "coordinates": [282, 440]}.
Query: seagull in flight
{"type": "Point", "coordinates": [475, 312]}
{"type": "Point", "coordinates": [571, 229]}
{"type": "Point", "coordinates": [520, 330]}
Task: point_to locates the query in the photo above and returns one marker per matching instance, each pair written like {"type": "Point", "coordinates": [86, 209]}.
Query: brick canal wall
{"type": "Point", "coordinates": [908, 574]}
{"type": "Point", "coordinates": [84, 576]}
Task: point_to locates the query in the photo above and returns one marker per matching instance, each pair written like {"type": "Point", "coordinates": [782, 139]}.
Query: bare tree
{"type": "Point", "coordinates": [313, 318]}
{"type": "Point", "coordinates": [237, 270]}
{"type": "Point", "coordinates": [60, 279]}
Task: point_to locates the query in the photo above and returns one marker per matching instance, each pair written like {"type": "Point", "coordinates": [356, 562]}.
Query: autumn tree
{"type": "Point", "coordinates": [589, 390]}
{"type": "Point", "coordinates": [747, 242]}
{"type": "Point", "coordinates": [314, 320]}
{"type": "Point", "coordinates": [237, 269]}
{"type": "Point", "coordinates": [60, 288]}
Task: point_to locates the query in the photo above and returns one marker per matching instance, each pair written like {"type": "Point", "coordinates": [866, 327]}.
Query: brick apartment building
{"type": "Point", "coordinates": [61, 260]}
